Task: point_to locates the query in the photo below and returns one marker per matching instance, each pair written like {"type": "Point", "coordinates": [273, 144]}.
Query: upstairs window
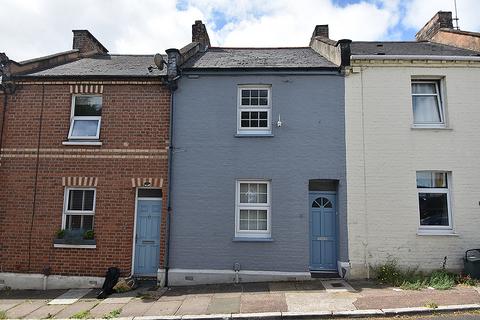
{"type": "Point", "coordinates": [79, 209]}
{"type": "Point", "coordinates": [86, 117]}
{"type": "Point", "coordinates": [254, 110]}
{"type": "Point", "coordinates": [434, 200]}
{"type": "Point", "coordinates": [428, 109]}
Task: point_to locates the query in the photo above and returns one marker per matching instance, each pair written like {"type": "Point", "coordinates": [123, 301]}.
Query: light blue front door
{"type": "Point", "coordinates": [147, 237]}
{"type": "Point", "coordinates": [323, 231]}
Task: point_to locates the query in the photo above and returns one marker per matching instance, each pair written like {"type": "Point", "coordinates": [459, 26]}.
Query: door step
{"type": "Point", "coordinates": [325, 275]}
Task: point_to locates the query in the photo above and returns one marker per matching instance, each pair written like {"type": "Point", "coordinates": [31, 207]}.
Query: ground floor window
{"type": "Point", "coordinates": [79, 209]}
{"type": "Point", "coordinates": [434, 200]}
{"type": "Point", "coordinates": [252, 218]}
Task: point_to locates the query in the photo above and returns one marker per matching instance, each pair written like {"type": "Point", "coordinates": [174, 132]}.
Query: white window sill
{"type": "Point", "coordinates": [426, 232]}
{"type": "Point", "coordinates": [82, 143]}
{"type": "Point", "coordinates": [251, 239]}
{"type": "Point", "coordinates": [254, 135]}
{"type": "Point", "coordinates": [75, 246]}
{"type": "Point", "coordinates": [440, 127]}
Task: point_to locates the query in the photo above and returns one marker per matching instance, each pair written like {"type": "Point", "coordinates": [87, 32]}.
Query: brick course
{"type": "Point", "coordinates": [134, 134]}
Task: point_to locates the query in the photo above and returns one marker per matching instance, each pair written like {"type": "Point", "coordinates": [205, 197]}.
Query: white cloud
{"type": "Point", "coordinates": [420, 11]}
{"type": "Point", "coordinates": [32, 28]}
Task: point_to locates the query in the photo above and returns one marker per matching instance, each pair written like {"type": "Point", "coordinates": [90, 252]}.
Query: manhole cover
{"type": "Point", "coordinates": [336, 285]}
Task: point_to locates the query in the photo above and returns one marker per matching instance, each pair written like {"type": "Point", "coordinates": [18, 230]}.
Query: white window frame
{"type": "Point", "coordinates": [433, 228]}
{"type": "Point", "coordinates": [267, 108]}
{"type": "Point", "coordinates": [77, 212]}
{"type": "Point", "coordinates": [74, 118]}
{"type": "Point", "coordinates": [441, 103]}
{"type": "Point", "coordinates": [252, 206]}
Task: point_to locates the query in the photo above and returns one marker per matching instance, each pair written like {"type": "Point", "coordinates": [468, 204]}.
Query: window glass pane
{"type": "Point", "coordinates": [263, 101]}
{"type": "Point", "coordinates": [263, 93]}
{"type": "Point", "coordinates": [262, 215]}
{"type": "Point", "coordinates": [88, 200]}
{"type": "Point", "coordinates": [84, 128]}
{"type": "Point", "coordinates": [431, 179]}
{"type": "Point", "coordinates": [243, 224]}
{"type": "Point", "coordinates": [243, 187]}
{"type": "Point", "coordinates": [433, 209]}
{"type": "Point", "coordinates": [263, 115]}
{"type": "Point", "coordinates": [245, 123]}
{"type": "Point", "coordinates": [262, 225]}
{"type": "Point", "coordinates": [244, 214]}
{"type": "Point", "coordinates": [262, 187]}
{"type": "Point", "coordinates": [424, 88]}
{"type": "Point", "coordinates": [245, 93]}
{"type": "Point", "coordinates": [75, 201]}
{"type": "Point", "coordinates": [88, 106]}
{"type": "Point", "coordinates": [87, 223]}
{"type": "Point", "coordinates": [150, 193]}
{"type": "Point", "coordinates": [426, 109]}
{"type": "Point", "coordinates": [254, 93]}
{"type": "Point", "coordinates": [75, 222]}
{"type": "Point", "coordinates": [262, 123]}
{"type": "Point", "coordinates": [245, 102]}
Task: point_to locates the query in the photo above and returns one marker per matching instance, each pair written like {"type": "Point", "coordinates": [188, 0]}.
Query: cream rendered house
{"type": "Point", "coordinates": [413, 152]}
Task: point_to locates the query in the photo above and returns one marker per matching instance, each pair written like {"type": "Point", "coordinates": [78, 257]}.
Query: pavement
{"type": "Point", "coordinates": [276, 300]}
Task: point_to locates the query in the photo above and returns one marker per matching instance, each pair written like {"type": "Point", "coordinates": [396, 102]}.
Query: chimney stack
{"type": "Point", "coordinates": [442, 20]}
{"type": "Point", "coordinates": [200, 35]}
{"type": "Point", "coordinates": [87, 44]}
{"type": "Point", "coordinates": [320, 31]}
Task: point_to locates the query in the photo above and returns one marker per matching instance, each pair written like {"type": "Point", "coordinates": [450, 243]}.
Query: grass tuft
{"type": "Point", "coordinates": [113, 314]}
{"type": "Point", "coordinates": [431, 305]}
{"type": "Point", "coordinates": [3, 315]}
{"type": "Point", "coordinates": [410, 279]}
{"type": "Point", "coordinates": [81, 315]}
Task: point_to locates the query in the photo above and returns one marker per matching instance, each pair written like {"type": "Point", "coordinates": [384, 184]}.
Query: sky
{"type": "Point", "coordinates": [34, 28]}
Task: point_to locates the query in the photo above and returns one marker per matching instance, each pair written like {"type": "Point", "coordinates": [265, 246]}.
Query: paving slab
{"type": "Point", "coordinates": [77, 307]}
{"type": "Point", "coordinates": [70, 297]}
{"type": "Point", "coordinates": [263, 302]}
{"type": "Point", "coordinates": [47, 311]}
{"type": "Point", "coordinates": [8, 304]}
{"type": "Point", "coordinates": [136, 307]}
{"type": "Point", "coordinates": [163, 308]}
{"type": "Point", "coordinates": [220, 305]}
{"type": "Point", "coordinates": [319, 301]}
{"type": "Point", "coordinates": [410, 298]}
{"type": "Point", "coordinates": [255, 287]}
{"type": "Point", "coordinates": [25, 308]}
{"type": "Point", "coordinates": [117, 300]}
{"type": "Point", "coordinates": [100, 310]}
{"type": "Point", "coordinates": [194, 305]}
{"type": "Point", "coordinates": [313, 285]}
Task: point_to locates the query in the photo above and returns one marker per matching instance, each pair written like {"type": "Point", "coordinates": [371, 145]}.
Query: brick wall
{"type": "Point", "coordinates": [134, 133]}
{"type": "Point", "coordinates": [384, 152]}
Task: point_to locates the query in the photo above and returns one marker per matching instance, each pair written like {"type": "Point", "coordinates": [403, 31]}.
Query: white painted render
{"type": "Point", "coordinates": [384, 152]}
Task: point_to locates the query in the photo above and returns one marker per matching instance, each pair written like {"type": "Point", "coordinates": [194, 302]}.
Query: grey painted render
{"type": "Point", "coordinates": [208, 159]}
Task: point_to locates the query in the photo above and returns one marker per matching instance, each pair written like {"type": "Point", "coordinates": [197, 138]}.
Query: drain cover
{"type": "Point", "coordinates": [336, 284]}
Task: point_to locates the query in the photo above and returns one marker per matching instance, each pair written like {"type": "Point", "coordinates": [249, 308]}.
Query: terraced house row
{"type": "Point", "coordinates": [214, 164]}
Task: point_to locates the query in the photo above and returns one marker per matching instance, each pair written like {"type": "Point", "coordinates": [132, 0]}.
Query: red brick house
{"type": "Point", "coordinates": [83, 166]}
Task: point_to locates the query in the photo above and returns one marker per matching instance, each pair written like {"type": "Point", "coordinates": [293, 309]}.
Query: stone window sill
{"type": "Point", "coordinates": [82, 143]}
{"type": "Point", "coordinates": [75, 243]}
{"type": "Point", "coordinates": [254, 135]}
{"type": "Point", "coordinates": [423, 232]}
{"type": "Point", "coordinates": [248, 239]}
{"type": "Point", "coordinates": [431, 128]}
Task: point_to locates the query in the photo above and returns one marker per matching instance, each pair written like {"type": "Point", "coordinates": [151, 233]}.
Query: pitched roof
{"type": "Point", "coordinates": [104, 65]}
{"type": "Point", "coordinates": [258, 58]}
{"type": "Point", "coordinates": [424, 48]}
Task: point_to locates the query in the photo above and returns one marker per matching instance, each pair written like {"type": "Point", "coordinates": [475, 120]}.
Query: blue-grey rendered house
{"type": "Point", "coordinates": [258, 189]}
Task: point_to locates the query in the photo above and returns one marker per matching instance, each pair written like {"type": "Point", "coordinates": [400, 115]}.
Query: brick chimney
{"type": "Point", "coordinates": [200, 35]}
{"type": "Point", "coordinates": [87, 44]}
{"type": "Point", "coordinates": [320, 31]}
{"type": "Point", "coordinates": [441, 20]}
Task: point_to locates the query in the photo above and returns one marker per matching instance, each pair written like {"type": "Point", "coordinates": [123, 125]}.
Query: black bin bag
{"type": "Point", "coordinates": [111, 279]}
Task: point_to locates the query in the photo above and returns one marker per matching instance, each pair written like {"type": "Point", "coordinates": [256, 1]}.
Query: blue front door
{"type": "Point", "coordinates": [147, 237]}
{"type": "Point", "coordinates": [323, 231]}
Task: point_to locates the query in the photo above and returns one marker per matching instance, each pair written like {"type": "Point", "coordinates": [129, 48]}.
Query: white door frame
{"type": "Point", "coordinates": [135, 222]}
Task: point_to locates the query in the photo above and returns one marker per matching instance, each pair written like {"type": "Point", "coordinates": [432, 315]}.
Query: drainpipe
{"type": "Point", "coordinates": [172, 74]}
